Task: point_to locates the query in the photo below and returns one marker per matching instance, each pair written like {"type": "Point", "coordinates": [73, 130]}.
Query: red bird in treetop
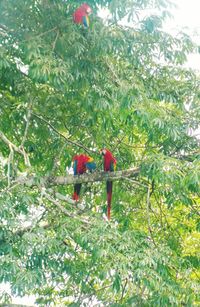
{"type": "Point", "coordinates": [109, 166]}
{"type": "Point", "coordinates": [81, 14]}
{"type": "Point", "coordinates": [81, 163]}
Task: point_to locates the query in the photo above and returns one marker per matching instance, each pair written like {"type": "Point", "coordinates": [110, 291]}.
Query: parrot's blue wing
{"type": "Point", "coordinates": [85, 21]}
{"type": "Point", "coordinates": [112, 167]}
{"type": "Point", "coordinates": [91, 166]}
{"type": "Point", "coordinates": [75, 167]}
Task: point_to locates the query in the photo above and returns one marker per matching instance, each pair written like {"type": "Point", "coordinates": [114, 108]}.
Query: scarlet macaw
{"type": "Point", "coordinates": [81, 14]}
{"type": "Point", "coordinates": [109, 166]}
{"type": "Point", "coordinates": [81, 163]}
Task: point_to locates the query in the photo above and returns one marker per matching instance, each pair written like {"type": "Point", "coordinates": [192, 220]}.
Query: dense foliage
{"type": "Point", "coordinates": [65, 90]}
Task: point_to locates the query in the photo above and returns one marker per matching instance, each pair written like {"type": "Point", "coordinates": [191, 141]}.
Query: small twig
{"type": "Point", "coordinates": [28, 117]}
{"type": "Point", "coordinates": [148, 214]}
{"type": "Point", "coordinates": [54, 43]}
{"type": "Point", "coordinates": [100, 289]}
{"type": "Point", "coordinates": [44, 33]}
{"type": "Point", "coordinates": [123, 289]}
{"type": "Point", "coordinates": [26, 158]}
{"type": "Point", "coordinates": [10, 160]}
{"type": "Point", "coordinates": [63, 136]}
{"type": "Point", "coordinates": [136, 182]}
{"type": "Point", "coordinates": [119, 142]}
{"type": "Point", "coordinates": [148, 205]}
{"type": "Point", "coordinates": [8, 189]}
{"type": "Point", "coordinates": [85, 282]}
{"type": "Point", "coordinates": [56, 159]}
{"type": "Point", "coordinates": [115, 79]}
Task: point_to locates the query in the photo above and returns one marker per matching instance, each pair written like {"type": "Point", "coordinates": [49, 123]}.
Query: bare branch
{"type": "Point", "coordinates": [97, 176]}
{"type": "Point", "coordinates": [55, 202]}
{"type": "Point", "coordinates": [62, 197]}
{"type": "Point", "coordinates": [123, 289]}
{"type": "Point", "coordinates": [136, 182]}
{"type": "Point", "coordinates": [9, 143]}
{"type": "Point", "coordinates": [71, 179]}
{"type": "Point", "coordinates": [10, 161]}
{"type": "Point", "coordinates": [44, 33]}
{"type": "Point", "coordinates": [28, 117]}
{"type": "Point", "coordinates": [57, 159]}
{"type": "Point", "coordinates": [15, 148]}
{"type": "Point", "coordinates": [148, 215]}
{"type": "Point", "coordinates": [62, 209]}
{"type": "Point", "coordinates": [54, 43]}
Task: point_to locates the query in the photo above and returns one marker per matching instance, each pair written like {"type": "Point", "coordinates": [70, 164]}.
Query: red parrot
{"type": "Point", "coordinates": [81, 14]}
{"type": "Point", "coordinates": [109, 166]}
{"type": "Point", "coordinates": [81, 163]}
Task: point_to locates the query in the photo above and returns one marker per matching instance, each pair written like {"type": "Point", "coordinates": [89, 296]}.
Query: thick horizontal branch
{"type": "Point", "coordinates": [100, 176]}
{"type": "Point", "coordinates": [70, 179]}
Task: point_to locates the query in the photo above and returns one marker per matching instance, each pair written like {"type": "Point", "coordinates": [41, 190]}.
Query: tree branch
{"type": "Point", "coordinates": [57, 204]}
{"type": "Point", "coordinates": [63, 210]}
{"type": "Point", "coordinates": [148, 215]}
{"type": "Point", "coordinates": [62, 197]}
{"type": "Point", "coordinates": [62, 135]}
{"type": "Point", "coordinates": [15, 148]}
{"type": "Point", "coordinates": [123, 290]}
{"type": "Point", "coordinates": [54, 43]}
{"type": "Point", "coordinates": [28, 117]}
{"type": "Point", "coordinates": [71, 179]}
{"type": "Point", "coordinates": [9, 143]}
{"type": "Point", "coordinates": [10, 161]}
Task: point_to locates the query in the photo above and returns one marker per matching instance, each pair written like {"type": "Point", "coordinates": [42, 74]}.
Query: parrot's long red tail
{"type": "Point", "coordinates": [77, 190]}
{"type": "Point", "coordinates": [109, 185]}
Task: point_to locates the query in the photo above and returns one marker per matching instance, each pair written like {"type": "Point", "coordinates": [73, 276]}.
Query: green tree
{"type": "Point", "coordinates": [65, 90]}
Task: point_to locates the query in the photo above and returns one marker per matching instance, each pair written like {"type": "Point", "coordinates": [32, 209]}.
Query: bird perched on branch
{"type": "Point", "coordinates": [109, 166]}
{"type": "Point", "coordinates": [81, 163]}
{"type": "Point", "coordinates": [81, 14]}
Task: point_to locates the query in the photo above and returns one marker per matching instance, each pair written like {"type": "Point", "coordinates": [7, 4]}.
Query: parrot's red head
{"type": "Point", "coordinates": [86, 8]}
{"type": "Point", "coordinates": [103, 151]}
{"type": "Point", "coordinates": [107, 154]}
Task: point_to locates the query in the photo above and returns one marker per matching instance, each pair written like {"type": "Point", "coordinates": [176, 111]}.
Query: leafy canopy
{"type": "Point", "coordinates": [66, 90]}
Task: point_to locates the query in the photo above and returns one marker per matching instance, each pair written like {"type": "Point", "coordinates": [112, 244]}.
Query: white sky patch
{"type": "Point", "coordinates": [27, 300]}
{"type": "Point", "coordinates": [186, 18]}
{"type": "Point", "coordinates": [104, 13]}
{"type": "Point", "coordinates": [186, 14]}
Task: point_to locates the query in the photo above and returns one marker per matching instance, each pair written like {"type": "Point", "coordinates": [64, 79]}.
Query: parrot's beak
{"type": "Point", "coordinates": [88, 11]}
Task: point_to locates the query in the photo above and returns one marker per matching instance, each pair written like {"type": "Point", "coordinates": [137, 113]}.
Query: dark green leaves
{"type": "Point", "coordinates": [66, 90]}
